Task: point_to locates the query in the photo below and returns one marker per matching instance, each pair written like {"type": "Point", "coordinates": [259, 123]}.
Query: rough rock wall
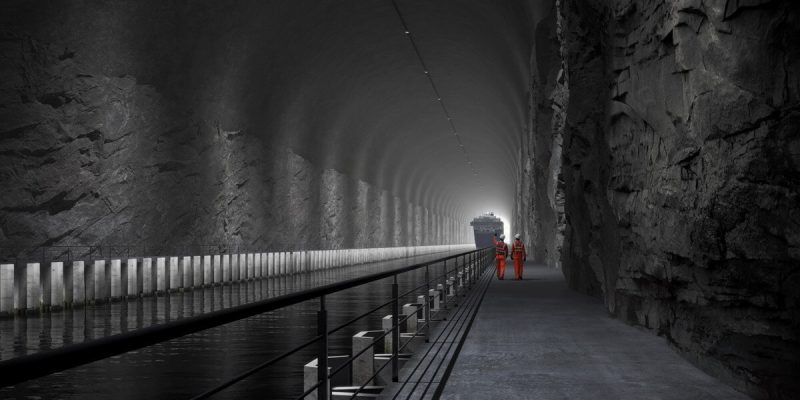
{"type": "Point", "coordinates": [681, 165]}
{"type": "Point", "coordinates": [537, 214]}
{"type": "Point", "coordinates": [87, 159]}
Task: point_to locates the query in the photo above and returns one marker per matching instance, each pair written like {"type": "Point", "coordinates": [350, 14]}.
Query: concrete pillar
{"type": "Point", "coordinates": [98, 278]}
{"type": "Point", "coordinates": [197, 272]}
{"type": "Point", "coordinates": [175, 280]}
{"type": "Point", "coordinates": [411, 323]}
{"type": "Point", "coordinates": [44, 286]}
{"type": "Point", "coordinates": [216, 280]}
{"type": "Point", "coordinates": [20, 289]}
{"type": "Point", "coordinates": [78, 282]}
{"type": "Point", "coordinates": [6, 288]}
{"type": "Point", "coordinates": [386, 325]}
{"type": "Point", "coordinates": [208, 280]}
{"type": "Point", "coordinates": [234, 271]}
{"type": "Point", "coordinates": [364, 364]}
{"type": "Point", "coordinates": [188, 273]}
{"type": "Point", "coordinates": [270, 265]}
{"type": "Point", "coordinates": [115, 276]}
{"type": "Point", "coordinates": [251, 266]}
{"type": "Point", "coordinates": [242, 267]}
{"type": "Point", "coordinates": [148, 286]}
{"type": "Point", "coordinates": [134, 270]}
{"type": "Point", "coordinates": [226, 268]}
{"type": "Point", "coordinates": [33, 286]}
{"type": "Point", "coordinates": [257, 266]}
{"type": "Point", "coordinates": [57, 295]}
{"type": "Point", "coordinates": [421, 299]}
{"type": "Point", "coordinates": [264, 273]}
{"type": "Point", "coordinates": [433, 299]}
{"type": "Point", "coordinates": [162, 278]}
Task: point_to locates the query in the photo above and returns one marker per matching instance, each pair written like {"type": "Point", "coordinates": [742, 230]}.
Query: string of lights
{"type": "Point", "coordinates": [437, 95]}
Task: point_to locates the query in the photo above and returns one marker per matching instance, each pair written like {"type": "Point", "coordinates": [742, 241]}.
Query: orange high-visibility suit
{"type": "Point", "coordinates": [500, 253]}
{"type": "Point", "coordinates": [519, 256]}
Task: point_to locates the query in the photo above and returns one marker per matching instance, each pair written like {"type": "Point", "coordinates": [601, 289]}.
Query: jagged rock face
{"type": "Point", "coordinates": [539, 214]}
{"type": "Point", "coordinates": [682, 168]}
{"type": "Point", "coordinates": [87, 159]}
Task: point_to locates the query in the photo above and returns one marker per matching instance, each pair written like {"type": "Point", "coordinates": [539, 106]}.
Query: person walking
{"type": "Point", "coordinates": [519, 256]}
{"type": "Point", "coordinates": [500, 253]}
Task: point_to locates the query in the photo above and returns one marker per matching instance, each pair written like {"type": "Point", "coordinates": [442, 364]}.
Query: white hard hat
{"type": "Point", "coordinates": [516, 236]}
{"type": "Point", "coordinates": [502, 237]}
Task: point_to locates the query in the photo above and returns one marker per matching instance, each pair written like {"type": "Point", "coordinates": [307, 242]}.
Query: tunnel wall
{"type": "Point", "coordinates": [89, 159]}
{"type": "Point", "coordinates": [681, 169]}
{"type": "Point", "coordinates": [539, 215]}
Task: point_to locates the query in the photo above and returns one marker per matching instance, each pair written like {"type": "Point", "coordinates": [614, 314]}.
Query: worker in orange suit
{"type": "Point", "coordinates": [519, 256]}
{"type": "Point", "coordinates": [500, 253]}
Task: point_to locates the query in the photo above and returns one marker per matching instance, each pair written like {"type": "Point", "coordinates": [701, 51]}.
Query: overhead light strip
{"type": "Point", "coordinates": [438, 97]}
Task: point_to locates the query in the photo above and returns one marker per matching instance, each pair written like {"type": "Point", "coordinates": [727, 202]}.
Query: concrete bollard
{"type": "Point", "coordinates": [57, 294]}
{"type": "Point", "coordinates": [162, 282]}
{"type": "Point", "coordinates": [6, 288]}
{"type": "Point", "coordinates": [413, 310]}
{"type": "Point", "coordinates": [34, 299]}
{"type": "Point", "coordinates": [134, 273]}
{"type": "Point", "coordinates": [386, 325]}
{"type": "Point", "coordinates": [421, 301]}
{"type": "Point", "coordinates": [433, 299]}
{"type": "Point", "coordinates": [175, 276]}
{"type": "Point", "coordinates": [364, 364]}
{"type": "Point", "coordinates": [147, 276]}
{"type": "Point", "coordinates": [341, 378]}
{"type": "Point", "coordinates": [115, 276]}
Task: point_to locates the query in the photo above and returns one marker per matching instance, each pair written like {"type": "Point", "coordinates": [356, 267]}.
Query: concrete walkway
{"type": "Point", "coordinates": [536, 339]}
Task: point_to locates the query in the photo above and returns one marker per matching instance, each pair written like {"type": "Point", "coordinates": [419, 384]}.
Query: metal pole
{"type": "Point", "coordinates": [427, 304]}
{"type": "Point", "coordinates": [443, 293]}
{"type": "Point", "coordinates": [322, 360]}
{"type": "Point", "coordinates": [395, 332]}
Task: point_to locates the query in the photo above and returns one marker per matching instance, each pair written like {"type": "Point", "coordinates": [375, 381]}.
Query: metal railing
{"type": "Point", "coordinates": [469, 264]}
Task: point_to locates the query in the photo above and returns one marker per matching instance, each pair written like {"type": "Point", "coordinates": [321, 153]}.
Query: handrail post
{"type": "Point", "coordinates": [396, 331]}
{"type": "Point", "coordinates": [443, 292]}
{"type": "Point", "coordinates": [472, 266]}
{"type": "Point", "coordinates": [427, 304]}
{"type": "Point", "coordinates": [322, 361]}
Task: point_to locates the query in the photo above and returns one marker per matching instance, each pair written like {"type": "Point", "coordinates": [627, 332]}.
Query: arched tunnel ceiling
{"type": "Point", "coordinates": [337, 81]}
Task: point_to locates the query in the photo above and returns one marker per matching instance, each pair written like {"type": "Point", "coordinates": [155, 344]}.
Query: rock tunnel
{"type": "Point", "coordinates": [647, 149]}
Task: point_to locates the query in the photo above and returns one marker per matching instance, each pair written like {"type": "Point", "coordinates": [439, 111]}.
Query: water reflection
{"type": "Point", "coordinates": [187, 366]}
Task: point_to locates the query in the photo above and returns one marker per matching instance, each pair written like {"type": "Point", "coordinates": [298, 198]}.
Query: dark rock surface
{"type": "Point", "coordinates": [88, 159]}
{"type": "Point", "coordinates": [681, 170]}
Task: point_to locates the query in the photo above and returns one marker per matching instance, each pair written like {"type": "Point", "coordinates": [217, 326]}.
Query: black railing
{"type": "Point", "coordinates": [469, 264]}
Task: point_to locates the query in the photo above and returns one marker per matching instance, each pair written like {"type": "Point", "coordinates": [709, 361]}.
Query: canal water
{"type": "Point", "coordinates": [190, 365]}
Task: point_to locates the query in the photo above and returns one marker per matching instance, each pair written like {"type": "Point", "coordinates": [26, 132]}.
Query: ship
{"type": "Point", "coordinates": [485, 227]}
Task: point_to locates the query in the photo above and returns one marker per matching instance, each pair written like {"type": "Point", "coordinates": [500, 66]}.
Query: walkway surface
{"type": "Point", "coordinates": [537, 339]}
